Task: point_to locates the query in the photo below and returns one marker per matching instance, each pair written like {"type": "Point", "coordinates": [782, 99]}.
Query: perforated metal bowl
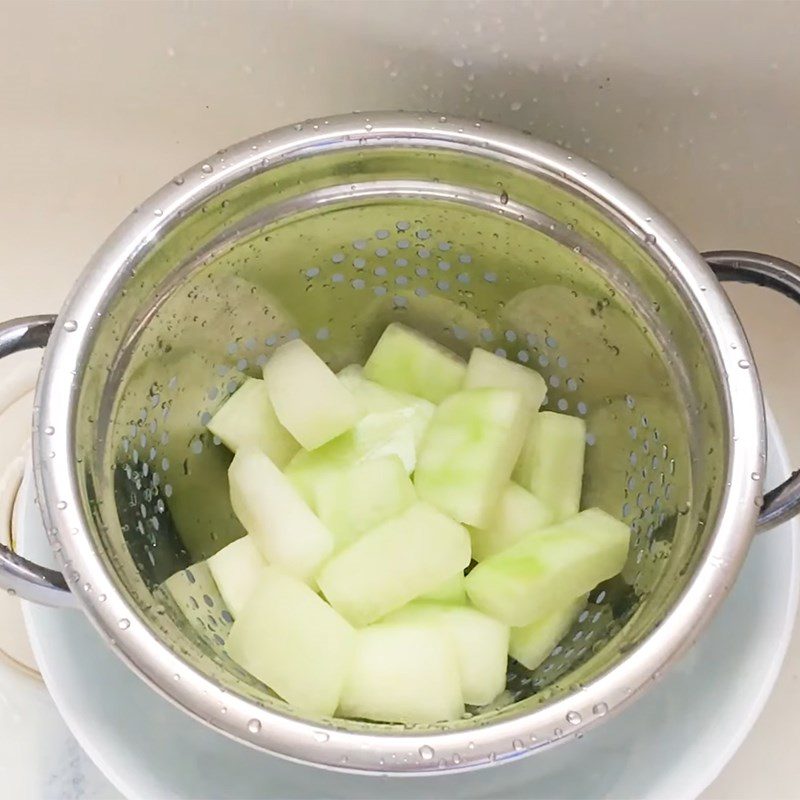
{"type": "Point", "coordinates": [478, 236]}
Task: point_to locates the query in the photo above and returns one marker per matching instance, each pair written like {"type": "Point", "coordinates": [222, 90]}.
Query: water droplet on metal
{"type": "Point", "coordinates": [504, 197]}
{"type": "Point", "coordinates": [321, 736]}
{"type": "Point", "coordinates": [70, 326]}
{"type": "Point", "coordinates": [158, 212]}
{"type": "Point", "coordinates": [756, 476]}
{"type": "Point", "coordinates": [124, 624]}
{"type": "Point", "coordinates": [426, 752]}
{"type": "Point", "coordinates": [49, 430]}
{"type": "Point", "coordinates": [574, 718]}
{"type": "Point", "coordinates": [518, 745]}
{"type": "Point", "coordinates": [254, 726]}
{"type": "Point", "coordinates": [600, 710]}
{"type": "Point", "coordinates": [456, 758]}
{"type": "Point", "coordinates": [61, 505]}
{"type": "Point", "coordinates": [207, 169]}
{"type": "Point", "coordinates": [101, 598]}
{"type": "Point", "coordinates": [178, 181]}
{"type": "Point", "coordinates": [650, 238]}
{"type": "Point", "coordinates": [744, 363]}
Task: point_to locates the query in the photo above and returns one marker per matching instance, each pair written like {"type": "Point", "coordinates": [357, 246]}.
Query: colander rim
{"type": "Point", "coordinates": [59, 491]}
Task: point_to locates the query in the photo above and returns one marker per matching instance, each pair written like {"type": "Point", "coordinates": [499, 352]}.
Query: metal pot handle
{"type": "Point", "coordinates": [18, 575]}
{"type": "Point", "coordinates": [782, 502]}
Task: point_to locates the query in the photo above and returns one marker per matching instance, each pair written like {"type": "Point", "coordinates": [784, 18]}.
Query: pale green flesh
{"type": "Point", "coordinates": [378, 435]}
{"type": "Point", "coordinates": [283, 527]}
{"type": "Point", "coordinates": [469, 451]}
{"type": "Point", "coordinates": [395, 562]}
{"type": "Point", "coordinates": [397, 432]}
{"type": "Point", "coordinates": [373, 398]}
{"type": "Point", "coordinates": [549, 569]}
{"type": "Point", "coordinates": [533, 643]}
{"type": "Point", "coordinates": [407, 361]}
{"type": "Point", "coordinates": [480, 642]}
{"type": "Point", "coordinates": [405, 673]}
{"type": "Point", "coordinates": [518, 513]}
{"type": "Point", "coordinates": [308, 398]}
{"type": "Point", "coordinates": [356, 498]}
{"type": "Point", "coordinates": [310, 466]}
{"type": "Point", "coordinates": [237, 570]}
{"type": "Point", "coordinates": [391, 421]}
{"type": "Point", "coordinates": [488, 370]}
{"type": "Point", "coordinates": [293, 641]}
{"type": "Point", "coordinates": [452, 591]}
{"type": "Point", "coordinates": [551, 463]}
{"type": "Point", "coordinates": [248, 419]}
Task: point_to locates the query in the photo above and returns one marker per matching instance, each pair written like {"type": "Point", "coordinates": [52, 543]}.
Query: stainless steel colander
{"type": "Point", "coordinates": [329, 230]}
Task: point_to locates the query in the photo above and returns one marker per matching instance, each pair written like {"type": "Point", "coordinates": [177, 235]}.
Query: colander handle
{"type": "Point", "coordinates": [18, 575]}
{"type": "Point", "coordinates": [782, 502]}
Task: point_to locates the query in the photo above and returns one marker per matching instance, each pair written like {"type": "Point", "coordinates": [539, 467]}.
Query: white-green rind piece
{"type": "Point", "coordinates": [247, 419]}
{"type": "Point", "coordinates": [292, 640]}
{"type": "Point", "coordinates": [395, 562]}
{"type": "Point", "coordinates": [405, 673]}
{"type": "Point", "coordinates": [488, 370]}
{"type": "Point", "coordinates": [308, 398]}
{"type": "Point", "coordinates": [518, 513]}
{"type": "Point", "coordinates": [236, 570]}
{"type": "Point", "coordinates": [551, 463]}
{"type": "Point", "coordinates": [452, 591]}
{"type": "Point", "coordinates": [372, 397]}
{"type": "Point", "coordinates": [356, 498]}
{"type": "Point", "coordinates": [468, 452]}
{"type": "Point", "coordinates": [286, 531]}
{"type": "Point", "coordinates": [407, 361]}
{"type": "Point", "coordinates": [549, 569]}
{"type": "Point", "coordinates": [480, 642]}
{"type": "Point", "coordinates": [533, 643]}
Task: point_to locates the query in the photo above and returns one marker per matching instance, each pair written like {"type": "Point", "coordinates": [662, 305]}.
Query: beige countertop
{"type": "Point", "coordinates": [696, 105]}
